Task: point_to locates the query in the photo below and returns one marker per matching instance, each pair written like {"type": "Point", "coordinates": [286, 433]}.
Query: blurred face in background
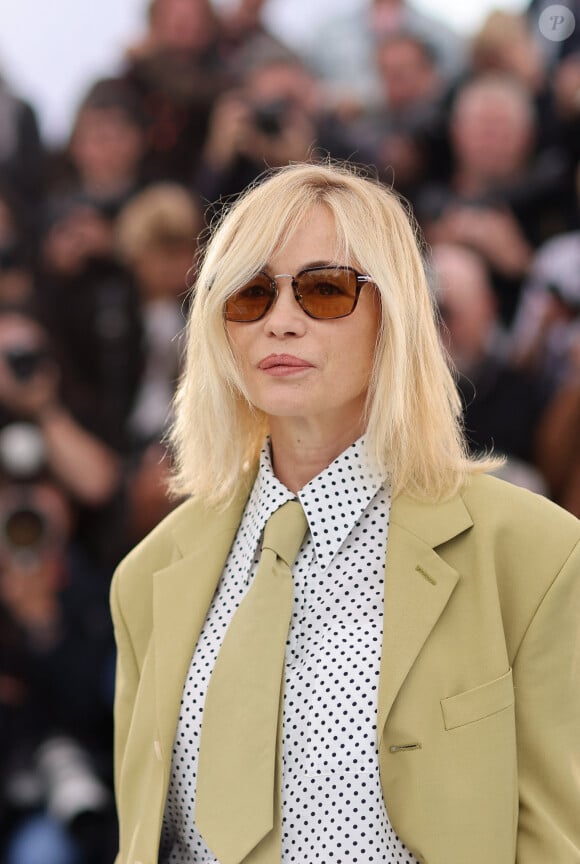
{"type": "Point", "coordinates": [106, 147]}
{"type": "Point", "coordinates": [155, 235]}
{"type": "Point", "coordinates": [466, 304]}
{"type": "Point", "coordinates": [182, 24]}
{"type": "Point", "coordinates": [407, 72]}
{"type": "Point", "coordinates": [492, 132]}
{"type": "Point", "coordinates": [161, 269]}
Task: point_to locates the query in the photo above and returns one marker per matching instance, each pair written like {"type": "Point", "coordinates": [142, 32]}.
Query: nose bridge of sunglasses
{"type": "Point", "coordinates": [293, 284]}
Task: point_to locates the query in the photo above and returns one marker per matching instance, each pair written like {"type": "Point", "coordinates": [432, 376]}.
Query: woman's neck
{"type": "Point", "coordinates": [300, 451]}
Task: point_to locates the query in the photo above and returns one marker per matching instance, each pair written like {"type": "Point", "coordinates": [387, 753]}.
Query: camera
{"type": "Point", "coordinates": [269, 117]}
{"type": "Point", "coordinates": [24, 362]}
{"type": "Point", "coordinates": [23, 528]}
{"type": "Point", "coordinates": [31, 523]}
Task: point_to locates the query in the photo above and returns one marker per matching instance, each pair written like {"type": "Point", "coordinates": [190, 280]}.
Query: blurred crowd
{"type": "Point", "coordinates": [97, 249]}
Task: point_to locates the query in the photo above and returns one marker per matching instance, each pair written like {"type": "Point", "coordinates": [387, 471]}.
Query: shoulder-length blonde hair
{"type": "Point", "coordinates": [413, 429]}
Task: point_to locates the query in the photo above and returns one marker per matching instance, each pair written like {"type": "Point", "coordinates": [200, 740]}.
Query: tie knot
{"type": "Point", "coordinates": [285, 530]}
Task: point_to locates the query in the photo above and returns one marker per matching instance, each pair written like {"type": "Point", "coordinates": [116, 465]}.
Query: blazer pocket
{"type": "Point", "coordinates": [480, 702]}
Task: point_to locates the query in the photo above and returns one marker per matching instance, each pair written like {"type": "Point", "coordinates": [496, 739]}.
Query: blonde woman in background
{"type": "Point", "coordinates": [155, 235]}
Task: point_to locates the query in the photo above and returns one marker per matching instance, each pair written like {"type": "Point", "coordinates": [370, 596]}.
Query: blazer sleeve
{"type": "Point", "coordinates": [547, 687]}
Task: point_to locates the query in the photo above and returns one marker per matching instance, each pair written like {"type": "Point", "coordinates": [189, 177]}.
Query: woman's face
{"type": "Point", "coordinates": [294, 366]}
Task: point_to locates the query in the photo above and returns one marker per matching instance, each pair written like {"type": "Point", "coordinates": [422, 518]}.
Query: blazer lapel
{"type": "Point", "coordinates": [418, 585]}
{"type": "Point", "coordinates": [182, 594]}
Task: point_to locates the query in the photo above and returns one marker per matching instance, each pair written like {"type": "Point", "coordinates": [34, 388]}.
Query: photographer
{"type": "Point", "coordinates": [155, 235]}
{"type": "Point", "coordinates": [276, 117]}
{"type": "Point", "coordinates": [90, 306]}
{"type": "Point", "coordinates": [546, 341]}
{"type": "Point", "coordinates": [546, 323]}
{"type": "Point", "coordinates": [502, 405]}
{"type": "Point", "coordinates": [36, 426]}
{"type": "Point", "coordinates": [503, 198]}
{"type": "Point", "coordinates": [43, 428]}
{"type": "Point", "coordinates": [407, 129]}
{"type": "Point", "coordinates": [54, 698]}
{"type": "Point", "coordinates": [102, 160]}
{"type": "Point", "coordinates": [176, 72]}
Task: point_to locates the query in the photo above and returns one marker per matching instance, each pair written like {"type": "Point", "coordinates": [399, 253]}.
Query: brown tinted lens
{"type": "Point", "coordinates": [250, 301]}
{"type": "Point", "coordinates": [328, 292]}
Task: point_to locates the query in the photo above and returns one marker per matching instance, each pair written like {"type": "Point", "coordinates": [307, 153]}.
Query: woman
{"type": "Point", "coordinates": [429, 708]}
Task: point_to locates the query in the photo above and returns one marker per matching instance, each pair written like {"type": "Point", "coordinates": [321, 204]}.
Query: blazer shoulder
{"type": "Point", "coordinates": [162, 545]}
{"type": "Point", "coordinates": [192, 523]}
{"type": "Point", "coordinates": [497, 504]}
{"type": "Point", "coordinates": [490, 509]}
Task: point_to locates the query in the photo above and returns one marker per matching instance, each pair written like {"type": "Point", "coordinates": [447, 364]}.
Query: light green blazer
{"type": "Point", "coordinates": [479, 696]}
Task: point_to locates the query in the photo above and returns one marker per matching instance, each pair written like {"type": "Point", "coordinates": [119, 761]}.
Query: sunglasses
{"type": "Point", "coordinates": [322, 292]}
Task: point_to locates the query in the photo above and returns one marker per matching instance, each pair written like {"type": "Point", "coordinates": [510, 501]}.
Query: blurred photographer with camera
{"type": "Point", "coordinates": [54, 701]}
{"type": "Point", "coordinates": [44, 433]}
{"type": "Point", "coordinates": [56, 639]}
{"type": "Point", "coordinates": [276, 116]}
{"type": "Point", "coordinates": [36, 428]}
{"type": "Point", "coordinates": [176, 71]}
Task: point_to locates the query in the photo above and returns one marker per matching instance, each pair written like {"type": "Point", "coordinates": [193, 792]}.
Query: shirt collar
{"type": "Point", "coordinates": [333, 501]}
{"type": "Point", "coordinates": [267, 495]}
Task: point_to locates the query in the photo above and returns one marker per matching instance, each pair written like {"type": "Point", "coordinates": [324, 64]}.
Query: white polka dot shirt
{"type": "Point", "coordinates": [332, 805]}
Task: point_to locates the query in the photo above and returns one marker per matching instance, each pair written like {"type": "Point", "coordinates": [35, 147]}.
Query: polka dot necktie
{"type": "Point", "coordinates": [237, 793]}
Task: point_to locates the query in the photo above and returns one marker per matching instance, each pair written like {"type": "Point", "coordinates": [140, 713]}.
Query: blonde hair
{"type": "Point", "coordinates": [413, 430]}
{"type": "Point", "coordinates": [491, 44]}
{"type": "Point", "coordinates": [162, 215]}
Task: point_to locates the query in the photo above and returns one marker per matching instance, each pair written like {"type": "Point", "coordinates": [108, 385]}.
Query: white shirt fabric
{"type": "Point", "coordinates": [332, 805]}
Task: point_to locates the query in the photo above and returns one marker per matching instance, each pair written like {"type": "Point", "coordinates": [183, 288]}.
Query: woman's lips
{"type": "Point", "coordinates": [283, 364]}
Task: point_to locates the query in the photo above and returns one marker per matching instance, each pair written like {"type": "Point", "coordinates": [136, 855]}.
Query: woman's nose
{"type": "Point", "coordinates": [285, 316]}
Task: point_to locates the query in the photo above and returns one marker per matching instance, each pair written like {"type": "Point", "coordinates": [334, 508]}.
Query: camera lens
{"type": "Point", "coordinates": [269, 117]}
{"type": "Point", "coordinates": [24, 528]}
